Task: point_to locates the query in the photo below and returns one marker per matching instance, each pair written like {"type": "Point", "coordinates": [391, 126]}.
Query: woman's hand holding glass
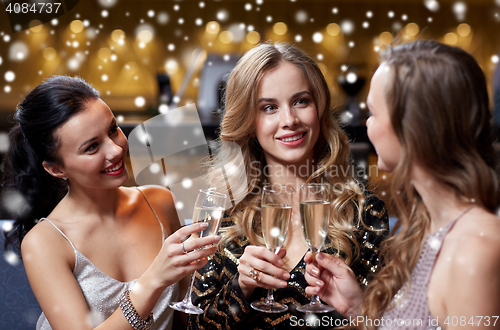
{"type": "Point", "coordinates": [208, 210]}
{"type": "Point", "coordinates": [275, 220]}
{"type": "Point", "coordinates": [270, 274]}
{"type": "Point", "coordinates": [334, 282]}
{"type": "Point", "coordinates": [172, 264]}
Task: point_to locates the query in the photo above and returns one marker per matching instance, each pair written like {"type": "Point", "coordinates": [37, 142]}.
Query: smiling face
{"type": "Point", "coordinates": [379, 126]}
{"type": "Point", "coordinates": [287, 125]}
{"type": "Point", "coordinates": [92, 149]}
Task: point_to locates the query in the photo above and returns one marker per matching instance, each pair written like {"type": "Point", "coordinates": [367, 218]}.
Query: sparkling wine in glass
{"type": "Point", "coordinates": [275, 219]}
{"type": "Point", "coordinates": [315, 213]}
{"type": "Point", "coordinates": [209, 207]}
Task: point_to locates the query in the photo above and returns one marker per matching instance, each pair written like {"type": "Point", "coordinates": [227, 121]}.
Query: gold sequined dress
{"type": "Point", "coordinates": [217, 292]}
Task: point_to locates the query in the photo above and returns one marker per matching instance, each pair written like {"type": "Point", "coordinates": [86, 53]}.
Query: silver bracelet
{"type": "Point", "coordinates": [133, 318]}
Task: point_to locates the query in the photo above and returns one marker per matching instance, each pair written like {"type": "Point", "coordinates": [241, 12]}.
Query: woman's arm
{"type": "Point", "coordinates": [340, 285]}
{"type": "Point", "coordinates": [49, 259]}
{"type": "Point", "coordinates": [334, 282]}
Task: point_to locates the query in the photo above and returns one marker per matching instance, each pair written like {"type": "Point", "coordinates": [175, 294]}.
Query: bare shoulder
{"type": "Point", "coordinates": [44, 244]}
{"type": "Point", "coordinates": [49, 260]}
{"type": "Point", "coordinates": [479, 239]}
{"type": "Point", "coordinates": [44, 236]}
{"type": "Point", "coordinates": [475, 264]}
{"type": "Point", "coordinates": [162, 200]}
{"type": "Point", "coordinates": [476, 247]}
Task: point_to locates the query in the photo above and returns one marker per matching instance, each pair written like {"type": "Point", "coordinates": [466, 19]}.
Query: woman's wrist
{"type": "Point", "coordinates": [145, 293]}
{"type": "Point", "coordinates": [245, 290]}
{"type": "Point", "coordinates": [355, 310]}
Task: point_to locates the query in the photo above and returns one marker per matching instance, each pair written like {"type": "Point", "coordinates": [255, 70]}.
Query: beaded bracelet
{"type": "Point", "coordinates": [133, 318]}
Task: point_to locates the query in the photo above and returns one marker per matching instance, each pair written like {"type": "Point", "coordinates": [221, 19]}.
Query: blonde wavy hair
{"type": "Point", "coordinates": [439, 108]}
{"type": "Point", "coordinates": [331, 149]}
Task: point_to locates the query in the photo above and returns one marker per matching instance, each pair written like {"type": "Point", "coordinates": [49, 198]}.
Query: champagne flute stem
{"type": "Point", "coordinates": [187, 298]}
{"type": "Point", "coordinates": [315, 300]}
{"type": "Point", "coordinates": [270, 297]}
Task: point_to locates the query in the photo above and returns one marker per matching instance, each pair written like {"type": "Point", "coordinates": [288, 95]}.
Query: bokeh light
{"type": "Point", "coordinates": [162, 18]}
{"type": "Point", "coordinates": [386, 38]}
{"type": "Point", "coordinates": [118, 35]}
{"type": "Point", "coordinates": [104, 53]}
{"type": "Point", "coordinates": [333, 29]}
{"type": "Point", "coordinates": [222, 15]}
{"type": "Point", "coordinates": [107, 3]}
{"type": "Point", "coordinates": [432, 5]}
{"type": "Point", "coordinates": [280, 28]}
{"type": "Point", "coordinates": [301, 16]}
{"type": "Point", "coordinates": [140, 101]}
{"type": "Point", "coordinates": [76, 26]}
{"type": "Point", "coordinates": [144, 33]}
{"type": "Point", "coordinates": [9, 76]}
{"type": "Point", "coordinates": [171, 66]}
{"type": "Point", "coordinates": [213, 27]}
{"type": "Point", "coordinates": [412, 29]}
{"type": "Point", "coordinates": [347, 26]}
{"type": "Point", "coordinates": [18, 51]}
{"type": "Point", "coordinates": [226, 37]}
{"type": "Point", "coordinates": [463, 30]}
{"type": "Point", "coordinates": [451, 39]}
{"type": "Point", "coordinates": [253, 37]}
{"type": "Point", "coordinates": [317, 37]}
{"type": "Point", "coordinates": [49, 53]}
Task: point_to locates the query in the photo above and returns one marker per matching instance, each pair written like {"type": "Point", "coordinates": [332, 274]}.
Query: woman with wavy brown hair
{"type": "Point", "coordinates": [277, 109]}
{"type": "Point", "coordinates": [430, 126]}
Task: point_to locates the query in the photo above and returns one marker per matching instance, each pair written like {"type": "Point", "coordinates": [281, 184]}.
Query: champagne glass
{"type": "Point", "coordinates": [314, 201]}
{"type": "Point", "coordinates": [276, 213]}
{"type": "Point", "coordinates": [209, 207]}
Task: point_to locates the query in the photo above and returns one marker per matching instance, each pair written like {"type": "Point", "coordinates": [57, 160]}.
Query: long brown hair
{"type": "Point", "coordinates": [331, 149]}
{"type": "Point", "coordinates": [439, 108]}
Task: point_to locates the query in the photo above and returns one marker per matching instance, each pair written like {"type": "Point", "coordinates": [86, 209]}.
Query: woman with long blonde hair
{"type": "Point", "coordinates": [430, 126]}
{"type": "Point", "coordinates": [277, 109]}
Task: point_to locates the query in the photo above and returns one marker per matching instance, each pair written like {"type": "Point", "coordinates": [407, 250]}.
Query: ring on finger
{"type": "Point", "coordinates": [182, 248]}
{"type": "Point", "coordinates": [254, 274]}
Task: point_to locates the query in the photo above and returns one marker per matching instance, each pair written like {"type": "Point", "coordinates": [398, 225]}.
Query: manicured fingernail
{"type": "Point", "coordinates": [283, 284]}
{"type": "Point", "coordinates": [319, 283]}
{"type": "Point", "coordinates": [315, 272]}
{"type": "Point", "coordinates": [320, 256]}
{"type": "Point", "coordinates": [280, 263]}
{"type": "Point", "coordinates": [204, 225]}
{"type": "Point", "coordinates": [286, 276]}
{"type": "Point", "coordinates": [217, 238]}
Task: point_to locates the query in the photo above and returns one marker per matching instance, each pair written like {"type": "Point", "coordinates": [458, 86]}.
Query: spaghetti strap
{"type": "Point", "coordinates": [163, 233]}
{"type": "Point", "coordinates": [59, 230]}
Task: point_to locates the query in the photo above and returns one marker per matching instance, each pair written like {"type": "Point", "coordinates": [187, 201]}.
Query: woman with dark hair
{"type": "Point", "coordinates": [96, 254]}
{"type": "Point", "coordinates": [430, 125]}
{"type": "Point", "coordinates": [277, 110]}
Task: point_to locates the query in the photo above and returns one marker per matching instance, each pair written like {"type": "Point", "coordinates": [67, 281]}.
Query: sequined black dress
{"type": "Point", "coordinates": [216, 288]}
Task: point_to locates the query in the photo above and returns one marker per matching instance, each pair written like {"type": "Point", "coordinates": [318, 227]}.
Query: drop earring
{"type": "Point", "coordinates": [65, 178]}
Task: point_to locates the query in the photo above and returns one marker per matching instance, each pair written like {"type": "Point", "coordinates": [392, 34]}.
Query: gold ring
{"type": "Point", "coordinates": [254, 274]}
{"type": "Point", "coordinates": [182, 248]}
